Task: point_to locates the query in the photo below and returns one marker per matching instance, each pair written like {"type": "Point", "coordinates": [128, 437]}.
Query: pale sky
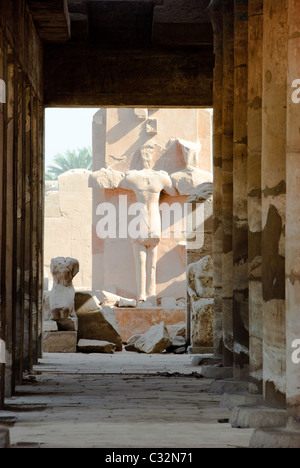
{"type": "Point", "coordinates": [67, 129]}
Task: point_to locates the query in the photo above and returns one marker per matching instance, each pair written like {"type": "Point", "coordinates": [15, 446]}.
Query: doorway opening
{"type": "Point", "coordinates": [128, 212]}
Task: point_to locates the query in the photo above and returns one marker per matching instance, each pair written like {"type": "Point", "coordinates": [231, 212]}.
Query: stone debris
{"type": "Point", "coordinates": [96, 346]}
{"type": "Point", "coordinates": [130, 346]}
{"type": "Point", "coordinates": [156, 340]}
{"type": "Point", "coordinates": [179, 329]}
{"type": "Point", "coordinates": [177, 343]}
{"type": "Point", "coordinates": [99, 324]}
{"type": "Point", "coordinates": [113, 300]}
{"type": "Point", "coordinates": [181, 350]}
{"type": "Point", "coordinates": [60, 342]}
{"type": "Point", "coordinates": [124, 302]}
{"type": "Point", "coordinates": [86, 302]}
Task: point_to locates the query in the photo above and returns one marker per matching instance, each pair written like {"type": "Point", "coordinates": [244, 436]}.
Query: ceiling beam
{"type": "Point", "coordinates": [52, 19]}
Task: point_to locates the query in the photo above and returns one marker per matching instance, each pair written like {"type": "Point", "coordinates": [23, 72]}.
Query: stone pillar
{"type": "Point", "coordinates": [2, 310]}
{"type": "Point", "coordinates": [215, 11]}
{"type": "Point", "coordinates": [227, 179]}
{"type": "Point", "coordinates": [9, 222]}
{"type": "Point", "coordinates": [255, 80]}
{"type": "Point", "coordinates": [293, 221]}
{"type": "Point", "coordinates": [27, 343]}
{"type": "Point", "coordinates": [19, 119]}
{"type": "Point", "coordinates": [240, 212]}
{"type": "Point", "coordinates": [274, 199]}
{"type": "Point", "coordinates": [40, 208]}
{"type": "Point", "coordinates": [34, 228]}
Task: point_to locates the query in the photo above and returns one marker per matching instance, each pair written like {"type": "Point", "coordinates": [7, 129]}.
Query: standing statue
{"type": "Point", "coordinates": [147, 184]}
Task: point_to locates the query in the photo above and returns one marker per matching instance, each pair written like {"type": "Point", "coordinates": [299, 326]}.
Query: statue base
{"type": "Point", "coordinates": [139, 320]}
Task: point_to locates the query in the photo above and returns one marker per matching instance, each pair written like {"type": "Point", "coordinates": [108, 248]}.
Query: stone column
{"type": "Point", "coordinates": [40, 207]}
{"type": "Point", "coordinates": [293, 221]}
{"type": "Point", "coordinates": [240, 212]}
{"type": "Point", "coordinates": [27, 343]}
{"type": "Point", "coordinates": [274, 199]}
{"type": "Point", "coordinates": [255, 80]}
{"type": "Point", "coordinates": [215, 11]}
{"type": "Point", "coordinates": [227, 178]}
{"type": "Point", "coordinates": [289, 436]}
{"type": "Point", "coordinates": [19, 215]}
{"type": "Point", "coordinates": [9, 223]}
{"type": "Point", "coordinates": [2, 311]}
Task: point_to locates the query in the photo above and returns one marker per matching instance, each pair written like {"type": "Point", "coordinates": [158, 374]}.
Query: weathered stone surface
{"type": "Point", "coordinates": [179, 329]}
{"type": "Point", "coordinates": [168, 302]}
{"type": "Point", "coordinates": [130, 346]}
{"type": "Point", "coordinates": [95, 346]}
{"type": "Point", "coordinates": [46, 305]}
{"type": "Point", "coordinates": [217, 372]}
{"type": "Point", "coordinates": [201, 293]}
{"type": "Point", "coordinates": [181, 350]}
{"type": "Point", "coordinates": [186, 181]}
{"type": "Point", "coordinates": [60, 342]}
{"type": "Point", "coordinates": [106, 178]}
{"type": "Point", "coordinates": [228, 386]}
{"type": "Point", "coordinates": [202, 320]}
{"type": "Point", "coordinates": [111, 300]}
{"type": "Point", "coordinates": [244, 417]}
{"type": "Point", "coordinates": [62, 295]}
{"type": "Point", "coordinates": [200, 278]}
{"type": "Point", "coordinates": [139, 320]}
{"type": "Point", "coordinates": [240, 399]}
{"type": "Point", "coordinates": [124, 302]}
{"type": "Point", "coordinates": [177, 342]}
{"type": "Point", "coordinates": [156, 340]}
{"type": "Point", "coordinates": [50, 326]}
{"type": "Point", "coordinates": [275, 438]}
{"type": "Point", "coordinates": [4, 438]}
{"type": "Point", "coordinates": [86, 302]}
{"type": "Point", "coordinates": [274, 145]}
{"type": "Point", "coordinates": [99, 324]}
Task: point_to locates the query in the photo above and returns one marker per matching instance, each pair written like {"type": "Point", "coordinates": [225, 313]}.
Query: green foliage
{"type": "Point", "coordinates": [76, 159]}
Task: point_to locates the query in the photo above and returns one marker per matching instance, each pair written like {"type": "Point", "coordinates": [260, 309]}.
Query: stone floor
{"type": "Point", "coordinates": [115, 401]}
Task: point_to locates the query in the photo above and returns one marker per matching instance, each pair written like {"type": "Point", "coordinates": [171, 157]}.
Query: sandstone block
{"type": "Point", "coordinates": [202, 318]}
{"type": "Point", "coordinates": [99, 324]}
{"type": "Point", "coordinates": [60, 342]}
{"type": "Point", "coordinates": [156, 340]}
{"type": "Point", "coordinates": [50, 326]}
{"type": "Point", "coordinates": [131, 343]}
{"type": "Point", "coordinates": [86, 302]}
{"type": "Point", "coordinates": [124, 302]}
{"type": "Point", "coordinates": [179, 329]}
{"type": "Point", "coordinates": [96, 346]}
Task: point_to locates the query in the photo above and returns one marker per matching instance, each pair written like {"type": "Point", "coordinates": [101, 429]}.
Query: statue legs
{"type": "Point", "coordinates": [145, 261]}
{"type": "Point", "coordinates": [140, 254]}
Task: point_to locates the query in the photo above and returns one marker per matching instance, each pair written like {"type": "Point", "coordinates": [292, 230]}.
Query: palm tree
{"type": "Point", "coordinates": [76, 159]}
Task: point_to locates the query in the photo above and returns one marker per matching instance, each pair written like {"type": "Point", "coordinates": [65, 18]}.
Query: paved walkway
{"type": "Point", "coordinates": [115, 401]}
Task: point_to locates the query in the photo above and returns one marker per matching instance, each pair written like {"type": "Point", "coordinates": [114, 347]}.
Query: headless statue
{"type": "Point", "coordinates": [147, 184]}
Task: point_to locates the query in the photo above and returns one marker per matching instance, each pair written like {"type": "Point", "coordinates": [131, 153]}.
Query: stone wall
{"type": "Point", "coordinates": [68, 224]}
